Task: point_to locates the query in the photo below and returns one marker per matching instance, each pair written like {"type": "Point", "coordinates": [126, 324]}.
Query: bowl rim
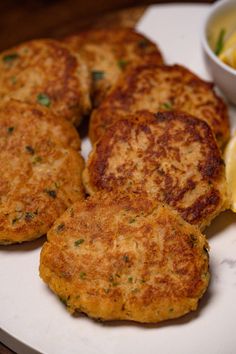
{"type": "Point", "coordinates": [213, 9]}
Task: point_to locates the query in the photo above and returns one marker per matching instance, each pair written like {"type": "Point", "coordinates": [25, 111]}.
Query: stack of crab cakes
{"type": "Point", "coordinates": [132, 248]}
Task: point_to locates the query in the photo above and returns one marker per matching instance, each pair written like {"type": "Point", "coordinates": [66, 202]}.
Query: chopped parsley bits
{"type": "Point", "coordinates": [43, 99]}
{"type": "Point", "coordinates": [60, 228]}
{"type": "Point", "coordinates": [79, 242]}
{"type": "Point", "coordinates": [52, 193]}
{"type": "Point", "coordinates": [9, 58]}
{"type": "Point", "coordinates": [166, 105]}
{"type": "Point", "coordinates": [97, 75]}
{"type": "Point", "coordinates": [29, 149]}
{"type": "Point", "coordinates": [71, 210]}
{"type": "Point", "coordinates": [113, 282]}
{"type": "Point", "coordinates": [130, 279]}
{"type": "Point", "coordinates": [65, 274]}
{"type": "Point", "coordinates": [122, 63]}
{"type": "Point", "coordinates": [63, 300]}
{"type": "Point", "coordinates": [29, 216]}
{"type": "Point", "coordinates": [10, 130]}
{"type": "Point", "coordinates": [143, 43]}
{"type": "Point", "coordinates": [82, 275]}
{"type": "Point", "coordinates": [192, 240]}
{"type": "Point", "coordinates": [205, 275]}
{"type": "Point", "coordinates": [56, 185]}
{"type": "Point", "coordinates": [126, 258]}
{"type": "Point", "coordinates": [16, 219]}
{"type": "Point", "coordinates": [13, 80]}
{"type": "Point", "coordinates": [37, 159]}
{"type": "Point", "coordinates": [106, 291]}
{"type": "Point", "coordinates": [131, 221]}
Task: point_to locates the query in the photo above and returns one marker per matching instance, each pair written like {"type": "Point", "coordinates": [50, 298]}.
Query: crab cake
{"type": "Point", "coordinates": [49, 74]}
{"type": "Point", "coordinates": [119, 257]}
{"type": "Point", "coordinates": [173, 157]}
{"type": "Point", "coordinates": [40, 170]}
{"type": "Point", "coordinates": [157, 88]}
{"type": "Point", "coordinates": [109, 52]}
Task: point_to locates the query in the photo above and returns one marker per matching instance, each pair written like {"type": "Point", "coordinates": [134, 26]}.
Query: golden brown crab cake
{"type": "Point", "coordinates": [40, 170]}
{"type": "Point", "coordinates": [157, 88]}
{"type": "Point", "coordinates": [171, 156]}
{"type": "Point", "coordinates": [109, 52]}
{"type": "Point", "coordinates": [121, 257]}
{"type": "Point", "coordinates": [46, 72]}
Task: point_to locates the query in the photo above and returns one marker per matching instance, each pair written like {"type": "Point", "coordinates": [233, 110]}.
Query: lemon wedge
{"type": "Point", "coordinates": [230, 169]}
{"type": "Point", "coordinates": [228, 54]}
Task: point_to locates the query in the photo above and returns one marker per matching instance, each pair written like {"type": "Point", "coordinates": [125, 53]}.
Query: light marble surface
{"type": "Point", "coordinates": [32, 317]}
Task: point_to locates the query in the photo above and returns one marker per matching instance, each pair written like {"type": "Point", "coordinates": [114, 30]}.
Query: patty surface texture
{"type": "Point", "coordinates": [40, 170]}
{"type": "Point", "coordinates": [161, 88]}
{"type": "Point", "coordinates": [45, 72]}
{"type": "Point", "coordinates": [110, 52]}
{"type": "Point", "coordinates": [119, 257]}
{"type": "Point", "coordinates": [171, 156]}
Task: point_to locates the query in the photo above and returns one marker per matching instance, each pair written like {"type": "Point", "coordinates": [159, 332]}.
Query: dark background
{"type": "Point", "coordinates": [24, 19]}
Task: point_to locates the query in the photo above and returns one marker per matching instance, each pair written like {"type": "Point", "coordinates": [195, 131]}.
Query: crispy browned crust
{"type": "Point", "coordinates": [122, 257]}
{"type": "Point", "coordinates": [157, 88]}
{"type": "Point", "coordinates": [112, 52]}
{"type": "Point", "coordinates": [40, 170]}
{"type": "Point", "coordinates": [46, 66]}
{"type": "Point", "coordinates": [171, 156]}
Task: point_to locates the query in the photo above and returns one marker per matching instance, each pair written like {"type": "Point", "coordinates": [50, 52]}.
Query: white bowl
{"type": "Point", "coordinates": [223, 75]}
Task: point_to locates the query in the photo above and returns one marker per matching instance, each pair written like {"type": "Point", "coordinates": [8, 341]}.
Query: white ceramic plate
{"type": "Point", "coordinates": [31, 317]}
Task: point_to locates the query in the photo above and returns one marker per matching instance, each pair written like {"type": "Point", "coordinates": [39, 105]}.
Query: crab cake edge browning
{"type": "Point", "coordinates": [171, 156]}
{"type": "Point", "coordinates": [110, 52]}
{"type": "Point", "coordinates": [41, 169]}
{"type": "Point", "coordinates": [46, 72]}
{"type": "Point", "coordinates": [161, 88]}
{"type": "Point", "coordinates": [120, 257]}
